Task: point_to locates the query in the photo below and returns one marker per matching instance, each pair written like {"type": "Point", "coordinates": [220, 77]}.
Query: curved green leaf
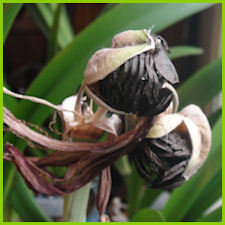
{"type": "Point", "coordinates": [214, 117]}
{"type": "Point", "coordinates": [182, 51]}
{"type": "Point", "coordinates": [135, 184]}
{"type": "Point", "coordinates": [202, 86]}
{"type": "Point", "coordinates": [148, 215]}
{"type": "Point", "coordinates": [54, 34]}
{"type": "Point", "coordinates": [47, 11]}
{"type": "Point", "coordinates": [149, 197]}
{"type": "Point", "coordinates": [208, 196]}
{"type": "Point", "coordinates": [215, 216]}
{"type": "Point", "coordinates": [24, 204]}
{"type": "Point", "coordinates": [10, 12]}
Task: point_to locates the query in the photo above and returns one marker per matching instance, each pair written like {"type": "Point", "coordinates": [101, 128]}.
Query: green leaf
{"type": "Point", "coordinates": [183, 198]}
{"type": "Point", "coordinates": [149, 197]}
{"type": "Point", "coordinates": [214, 117]}
{"type": "Point", "coordinates": [202, 86]}
{"type": "Point", "coordinates": [135, 185]}
{"type": "Point", "coordinates": [8, 101]}
{"type": "Point", "coordinates": [123, 166]}
{"type": "Point", "coordinates": [47, 13]}
{"type": "Point", "coordinates": [24, 204]}
{"type": "Point", "coordinates": [53, 43]}
{"type": "Point", "coordinates": [108, 7]}
{"type": "Point", "coordinates": [38, 18]}
{"type": "Point", "coordinates": [215, 216]}
{"type": "Point", "coordinates": [148, 215]}
{"type": "Point", "coordinates": [208, 196]}
{"type": "Point", "coordinates": [182, 51]}
{"type": "Point", "coordinates": [10, 12]}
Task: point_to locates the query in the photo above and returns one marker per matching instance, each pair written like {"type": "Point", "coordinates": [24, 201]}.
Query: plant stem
{"type": "Point", "coordinates": [123, 166]}
{"type": "Point", "coordinates": [75, 205]}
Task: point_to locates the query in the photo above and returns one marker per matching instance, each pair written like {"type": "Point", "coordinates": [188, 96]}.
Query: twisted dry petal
{"type": "Point", "coordinates": [112, 125]}
{"type": "Point", "coordinates": [84, 160]}
{"type": "Point", "coordinates": [36, 178]}
{"type": "Point", "coordinates": [18, 127]}
{"type": "Point", "coordinates": [104, 189]}
{"type": "Point", "coordinates": [164, 124]}
{"type": "Point", "coordinates": [166, 67]}
{"type": "Point", "coordinates": [59, 158]}
{"type": "Point", "coordinates": [79, 173]}
{"type": "Point", "coordinates": [195, 114]}
{"type": "Point", "coordinates": [43, 182]}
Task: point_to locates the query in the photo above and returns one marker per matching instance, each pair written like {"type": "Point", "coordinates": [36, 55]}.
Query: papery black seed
{"type": "Point", "coordinates": [166, 158]}
{"type": "Point", "coordinates": [136, 87]}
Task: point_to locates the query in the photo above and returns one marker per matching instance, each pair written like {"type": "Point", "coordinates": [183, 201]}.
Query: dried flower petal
{"type": "Point", "coordinates": [130, 38]}
{"type": "Point", "coordinates": [194, 113]}
{"type": "Point", "coordinates": [36, 178]}
{"type": "Point", "coordinates": [105, 61]}
{"type": "Point", "coordinates": [84, 160]}
{"type": "Point", "coordinates": [18, 127]}
{"type": "Point", "coordinates": [103, 194]}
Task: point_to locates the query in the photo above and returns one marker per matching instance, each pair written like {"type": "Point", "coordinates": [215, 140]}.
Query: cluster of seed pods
{"type": "Point", "coordinates": [135, 78]}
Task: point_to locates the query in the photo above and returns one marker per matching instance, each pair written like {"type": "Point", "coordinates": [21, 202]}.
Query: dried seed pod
{"type": "Point", "coordinates": [174, 149]}
{"type": "Point", "coordinates": [130, 76]}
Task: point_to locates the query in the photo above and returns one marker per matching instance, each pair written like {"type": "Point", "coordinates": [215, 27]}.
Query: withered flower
{"type": "Point", "coordinates": [133, 75]}
{"type": "Point", "coordinates": [174, 149]}
{"type": "Point", "coordinates": [84, 160]}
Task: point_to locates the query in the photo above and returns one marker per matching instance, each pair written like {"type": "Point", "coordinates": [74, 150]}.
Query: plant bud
{"type": "Point", "coordinates": [129, 77]}
{"type": "Point", "coordinates": [174, 149]}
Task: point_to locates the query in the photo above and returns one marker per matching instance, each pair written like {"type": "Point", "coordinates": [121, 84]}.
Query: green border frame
{"type": "Point", "coordinates": [1, 116]}
{"type": "Point", "coordinates": [107, 1]}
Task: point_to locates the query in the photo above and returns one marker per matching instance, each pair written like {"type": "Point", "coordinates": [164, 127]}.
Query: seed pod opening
{"type": "Point", "coordinates": [162, 161]}
{"type": "Point", "coordinates": [174, 149]}
{"type": "Point", "coordinates": [129, 77]}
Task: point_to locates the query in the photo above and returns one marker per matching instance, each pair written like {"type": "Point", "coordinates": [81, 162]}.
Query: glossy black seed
{"type": "Point", "coordinates": [164, 158]}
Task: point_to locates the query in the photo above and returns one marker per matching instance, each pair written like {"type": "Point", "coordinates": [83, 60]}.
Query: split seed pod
{"type": "Point", "coordinates": [130, 76]}
{"type": "Point", "coordinates": [174, 149]}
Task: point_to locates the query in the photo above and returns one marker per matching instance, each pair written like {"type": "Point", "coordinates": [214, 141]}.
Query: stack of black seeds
{"type": "Point", "coordinates": [136, 86]}
{"type": "Point", "coordinates": [162, 161]}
